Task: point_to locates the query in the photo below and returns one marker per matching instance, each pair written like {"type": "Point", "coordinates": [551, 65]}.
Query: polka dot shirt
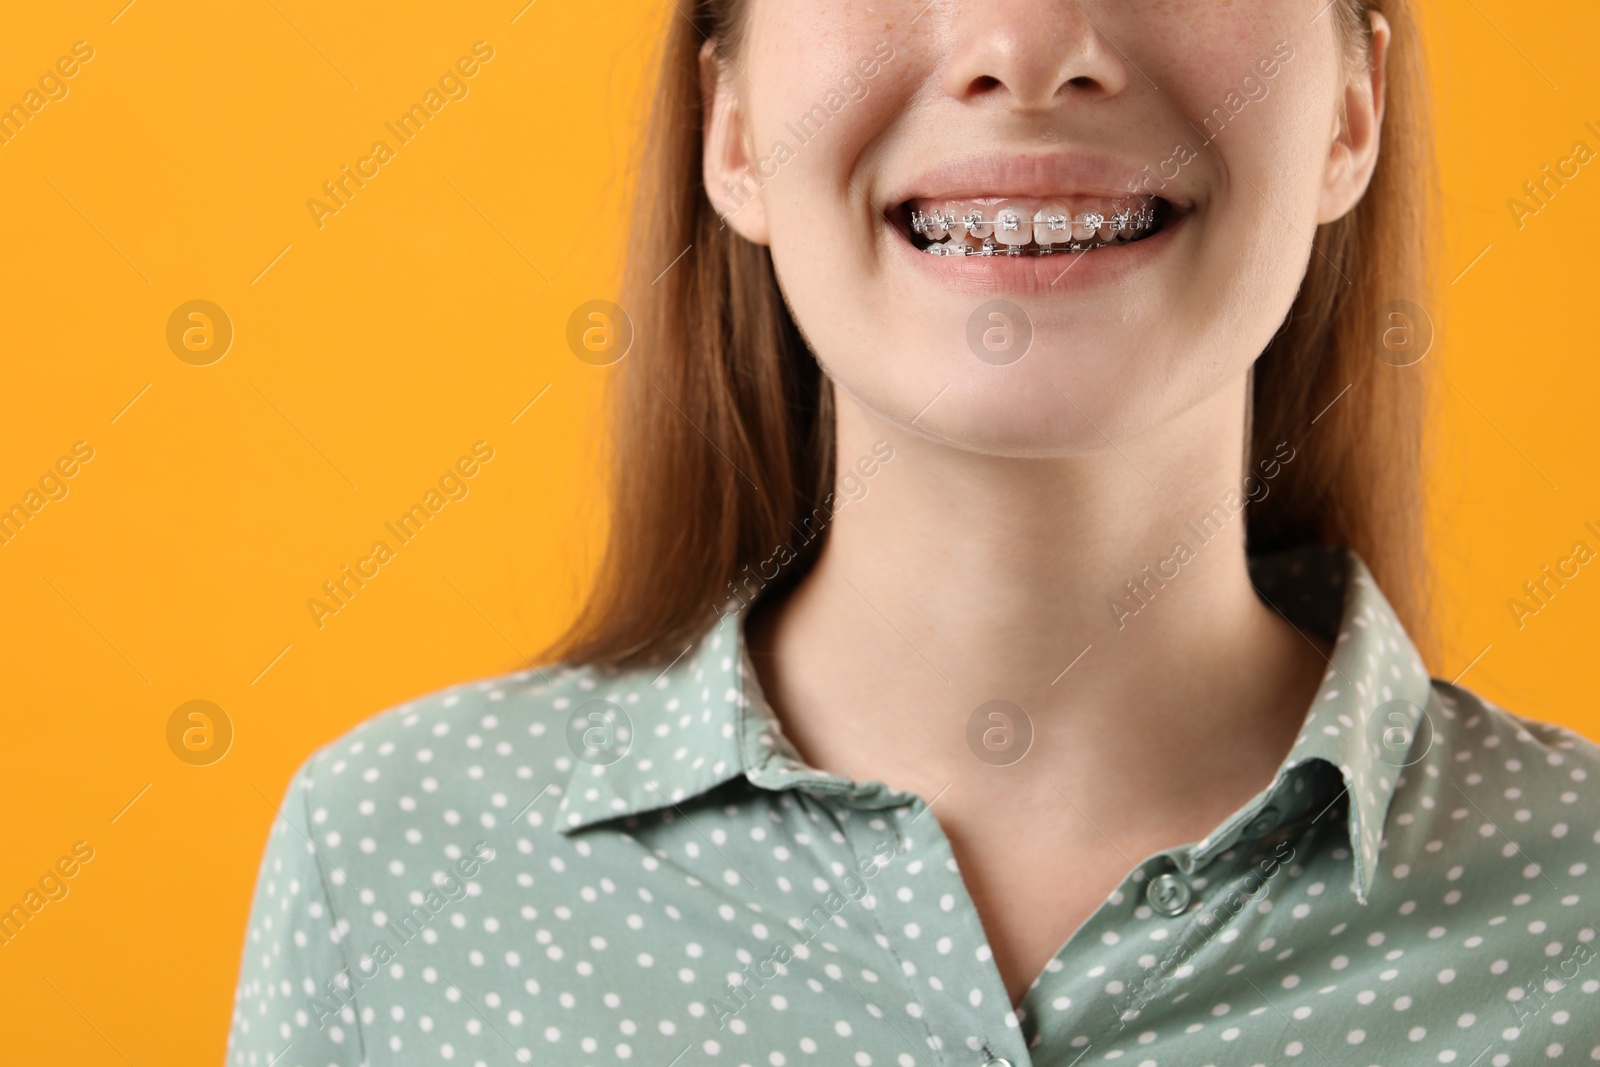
{"type": "Point", "coordinates": [573, 866]}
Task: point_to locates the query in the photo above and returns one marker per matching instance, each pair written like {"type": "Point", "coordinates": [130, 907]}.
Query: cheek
{"type": "Point", "coordinates": [1270, 162]}
{"type": "Point", "coordinates": [814, 109]}
{"type": "Point", "coordinates": [818, 121]}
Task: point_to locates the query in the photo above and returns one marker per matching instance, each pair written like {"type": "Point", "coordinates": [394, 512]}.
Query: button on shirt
{"type": "Point", "coordinates": [574, 866]}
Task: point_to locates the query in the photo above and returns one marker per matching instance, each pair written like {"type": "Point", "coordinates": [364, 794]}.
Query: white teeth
{"type": "Point", "coordinates": [958, 241]}
{"type": "Point", "coordinates": [1051, 223]}
{"type": "Point", "coordinates": [1012, 226]}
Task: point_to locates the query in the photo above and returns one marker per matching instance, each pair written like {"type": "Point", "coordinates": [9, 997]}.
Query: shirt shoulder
{"type": "Point", "coordinates": [486, 749]}
{"type": "Point", "coordinates": [1487, 743]}
{"type": "Point", "coordinates": [382, 836]}
{"type": "Point", "coordinates": [1491, 797]}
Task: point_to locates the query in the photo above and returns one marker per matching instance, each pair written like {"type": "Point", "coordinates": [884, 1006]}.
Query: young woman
{"type": "Point", "coordinates": [1011, 644]}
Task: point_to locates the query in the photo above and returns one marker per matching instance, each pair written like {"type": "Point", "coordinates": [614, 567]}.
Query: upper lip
{"type": "Point", "coordinates": [1037, 175]}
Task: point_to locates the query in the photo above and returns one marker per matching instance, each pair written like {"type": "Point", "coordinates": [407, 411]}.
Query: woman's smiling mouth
{"type": "Point", "coordinates": [1035, 223]}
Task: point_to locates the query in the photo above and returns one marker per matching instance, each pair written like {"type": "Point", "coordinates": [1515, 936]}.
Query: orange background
{"type": "Point", "coordinates": [425, 316]}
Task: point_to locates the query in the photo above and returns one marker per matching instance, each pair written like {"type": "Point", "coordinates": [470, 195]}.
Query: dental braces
{"type": "Point", "coordinates": [1011, 221]}
{"type": "Point", "coordinates": [991, 247]}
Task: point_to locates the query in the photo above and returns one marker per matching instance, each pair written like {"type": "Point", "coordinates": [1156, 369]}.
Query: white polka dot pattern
{"type": "Point", "coordinates": [451, 883]}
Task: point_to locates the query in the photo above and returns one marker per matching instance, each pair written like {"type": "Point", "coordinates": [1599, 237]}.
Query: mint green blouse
{"type": "Point", "coordinates": [567, 866]}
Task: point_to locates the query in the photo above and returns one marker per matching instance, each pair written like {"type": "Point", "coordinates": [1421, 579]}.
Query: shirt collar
{"type": "Point", "coordinates": [1373, 703]}
{"type": "Point", "coordinates": [703, 722]}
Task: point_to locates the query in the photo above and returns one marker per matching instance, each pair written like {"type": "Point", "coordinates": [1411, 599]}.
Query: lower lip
{"type": "Point", "coordinates": [1063, 272]}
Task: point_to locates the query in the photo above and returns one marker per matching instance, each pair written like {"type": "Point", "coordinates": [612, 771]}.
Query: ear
{"type": "Point", "coordinates": [732, 183]}
{"type": "Point", "coordinates": [1354, 151]}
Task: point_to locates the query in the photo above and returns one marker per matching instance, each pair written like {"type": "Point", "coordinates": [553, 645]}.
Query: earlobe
{"type": "Point", "coordinates": [732, 185]}
{"type": "Point", "coordinates": [1353, 152]}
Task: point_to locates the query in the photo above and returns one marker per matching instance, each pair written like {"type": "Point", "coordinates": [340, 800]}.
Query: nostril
{"type": "Point", "coordinates": [985, 83]}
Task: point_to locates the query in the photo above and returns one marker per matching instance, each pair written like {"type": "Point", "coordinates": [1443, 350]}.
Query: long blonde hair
{"type": "Point", "coordinates": [722, 438]}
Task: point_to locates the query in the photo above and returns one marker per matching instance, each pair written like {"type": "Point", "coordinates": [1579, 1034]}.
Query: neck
{"type": "Point", "coordinates": [1106, 594]}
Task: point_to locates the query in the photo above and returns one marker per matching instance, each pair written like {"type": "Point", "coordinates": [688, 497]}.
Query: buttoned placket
{"type": "Point", "coordinates": [942, 1025]}
{"type": "Point", "coordinates": [1196, 893]}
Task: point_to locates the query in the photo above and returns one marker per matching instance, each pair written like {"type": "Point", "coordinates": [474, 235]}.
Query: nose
{"type": "Point", "coordinates": [1028, 55]}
